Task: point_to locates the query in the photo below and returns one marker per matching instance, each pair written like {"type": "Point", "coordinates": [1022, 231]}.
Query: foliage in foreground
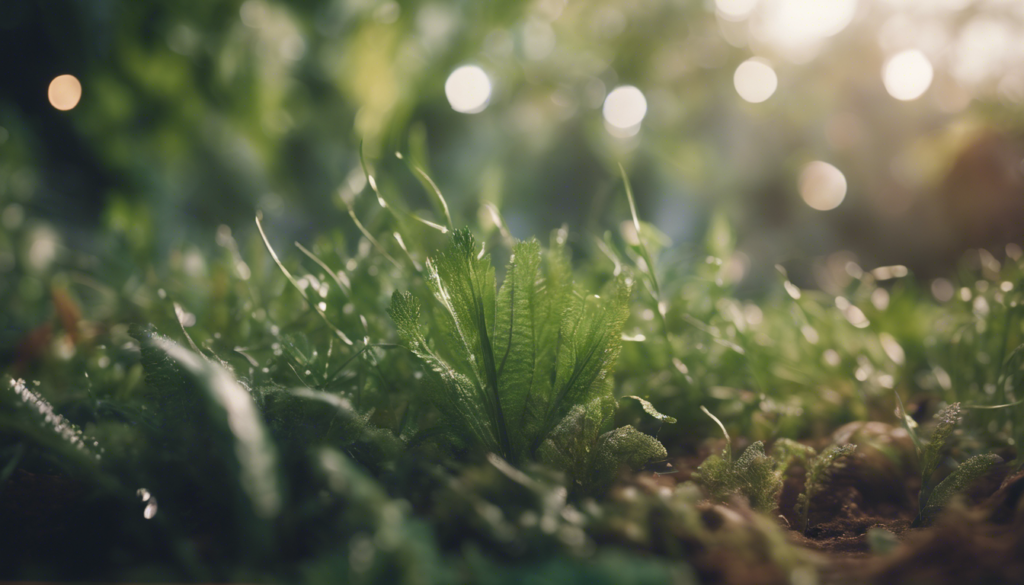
{"type": "Point", "coordinates": [283, 435]}
{"type": "Point", "coordinates": [934, 496]}
{"type": "Point", "coordinates": [524, 373]}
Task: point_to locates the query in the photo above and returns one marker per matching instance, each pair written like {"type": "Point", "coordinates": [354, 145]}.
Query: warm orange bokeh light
{"type": "Point", "coordinates": [65, 91]}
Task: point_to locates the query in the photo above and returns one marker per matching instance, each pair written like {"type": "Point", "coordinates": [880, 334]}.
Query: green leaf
{"type": "Point", "coordinates": [788, 452]}
{"type": "Point", "coordinates": [819, 471]}
{"type": "Point", "coordinates": [716, 475]}
{"type": "Point", "coordinates": [908, 423]}
{"type": "Point", "coordinates": [622, 446]}
{"type": "Point", "coordinates": [590, 343]}
{"type": "Point", "coordinates": [525, 341]}
{"type": "Point", "coordinates": [958, 481]}
{"type": "Point", "coordinates": [235, 418]}
{"type": "Point", "coordinates": [463, 283]}
{"type": "Point", "coordinates": [757, 478]}
{"type": "Point", "coordinates": [649, 409]}
{"type": "Point", "coordinates": [569, 446]}
{"type": "Point", "coordinates": [592, 461]}
{"type": "Point", "coordinates": [453, 393]}
{"type": "Point", "coordinates": [524, 372]}
{"type": "Point", "coordinates": [304, 417]}
{"type": "Point", "coordinates": [753, 474]}
{"type": "Point", "coordinates": [932, 455]}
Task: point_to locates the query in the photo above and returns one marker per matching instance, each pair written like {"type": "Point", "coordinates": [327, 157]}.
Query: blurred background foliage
{"type": "Point", "coordinates": [196, 114]}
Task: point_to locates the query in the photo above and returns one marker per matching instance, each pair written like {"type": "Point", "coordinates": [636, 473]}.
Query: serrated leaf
{"type": "Point", "coordinates": [454, 394]}
{"type": "Point", "coordinates": [649, 409]}
{"type": "Point", "coordinates": [525, 341]}
{"type": "Point", "coordinates": [590, 344]}
{"type": "Point", "coordinates": [962, 477]}
{"type": "Point", "coordinates": [523, 373]}
{"type": "Point", "coordinates": [463, 284]}
{"type": "Point", "coordinates": [716, 475]}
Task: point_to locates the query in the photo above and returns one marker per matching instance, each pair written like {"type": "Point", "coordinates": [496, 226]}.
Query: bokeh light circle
{"type": "Point", "coordinates": [907, 75]}
{"type": "Point", "coordinates": [64, 92]}
{"type": "Point", "coordinates": [822, 186]}
{"type": "Point", "coordinates": [625, 107]}
{"type": "Point", "coordinates": [755, 80]}
{"type": "Point", "coordinates": [468, 89]}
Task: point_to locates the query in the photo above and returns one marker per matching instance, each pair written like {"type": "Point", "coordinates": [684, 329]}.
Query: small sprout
{"type": "Point", "coordinates": [935, 497]}
{"type": "Point", "coordinates": [819, 471]}
{"type": "Point", "coordinates": [788, 452]}
{"type": "Point", "coordinates": [754, 475]}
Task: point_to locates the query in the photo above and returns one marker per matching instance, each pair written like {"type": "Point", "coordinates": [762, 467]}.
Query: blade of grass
{"type": "Point", "coordinates": [728, 440]}
{"type": "Point", "coordinates": [334, 275]}
{"type": "Point", "coordinates": [431, 187]}
{"type": "Point", "coordinates": [341, 335]}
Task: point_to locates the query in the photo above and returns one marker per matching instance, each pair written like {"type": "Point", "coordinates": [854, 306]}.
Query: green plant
{"type": "Point", "coordinates": [819, 471]}
{"type": "Point", "coordinates": [523, 372]}
{"type": "Point", "coordinates": [935, 496]}
{"type": "Point", "coordinates": [754, 474]}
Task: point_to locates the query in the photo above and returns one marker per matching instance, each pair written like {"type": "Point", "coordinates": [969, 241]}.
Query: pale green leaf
{"type": "Point", "coordinates": [649, 409]}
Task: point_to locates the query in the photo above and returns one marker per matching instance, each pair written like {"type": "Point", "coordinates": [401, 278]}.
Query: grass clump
{"type": "Point", "coordinates": [523, 371]}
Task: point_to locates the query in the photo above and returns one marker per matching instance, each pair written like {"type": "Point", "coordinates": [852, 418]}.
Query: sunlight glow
{"type": "Point", "coordinates": [735, 10]}
{"type": "Point", "coordinates": [64, 92]}
{"type": "Point", "coordinates": [822, 186]}
{"type": "Point", "coordinates": [624, 109]}
{"type": "Point", "coordinates": [907, 75]}
{"type": "Point", "coordinates": [468, 89]}
{"type": "Point", "coordinates": [796, 25]}
{"type": "Point", "coordinates": [755, 80]}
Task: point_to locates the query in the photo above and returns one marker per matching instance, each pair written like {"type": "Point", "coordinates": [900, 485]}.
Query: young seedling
{"type": "Point", "coordinates": [934, 496]}
{"type": "Point", "coordinates": [753, 475]}
{"type": "Point", "coordinates": [522, 372]}
{"type": "Point", "coordinates": [819, 471]}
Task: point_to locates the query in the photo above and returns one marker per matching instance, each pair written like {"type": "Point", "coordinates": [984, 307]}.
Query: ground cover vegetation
{"type": "Point", "coordinates": [372, 406]}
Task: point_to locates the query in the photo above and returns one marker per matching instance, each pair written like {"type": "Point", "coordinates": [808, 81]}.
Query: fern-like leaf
{"type": "Point", "coordinates": [523, 372]}
{"type": "Point", "coordinates": [819, 471]}
{"type": "Point", "coordinates": [753, 475]}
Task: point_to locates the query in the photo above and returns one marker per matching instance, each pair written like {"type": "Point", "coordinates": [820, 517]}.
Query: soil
{"type": "Point", "coordinates": [979, 539]}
